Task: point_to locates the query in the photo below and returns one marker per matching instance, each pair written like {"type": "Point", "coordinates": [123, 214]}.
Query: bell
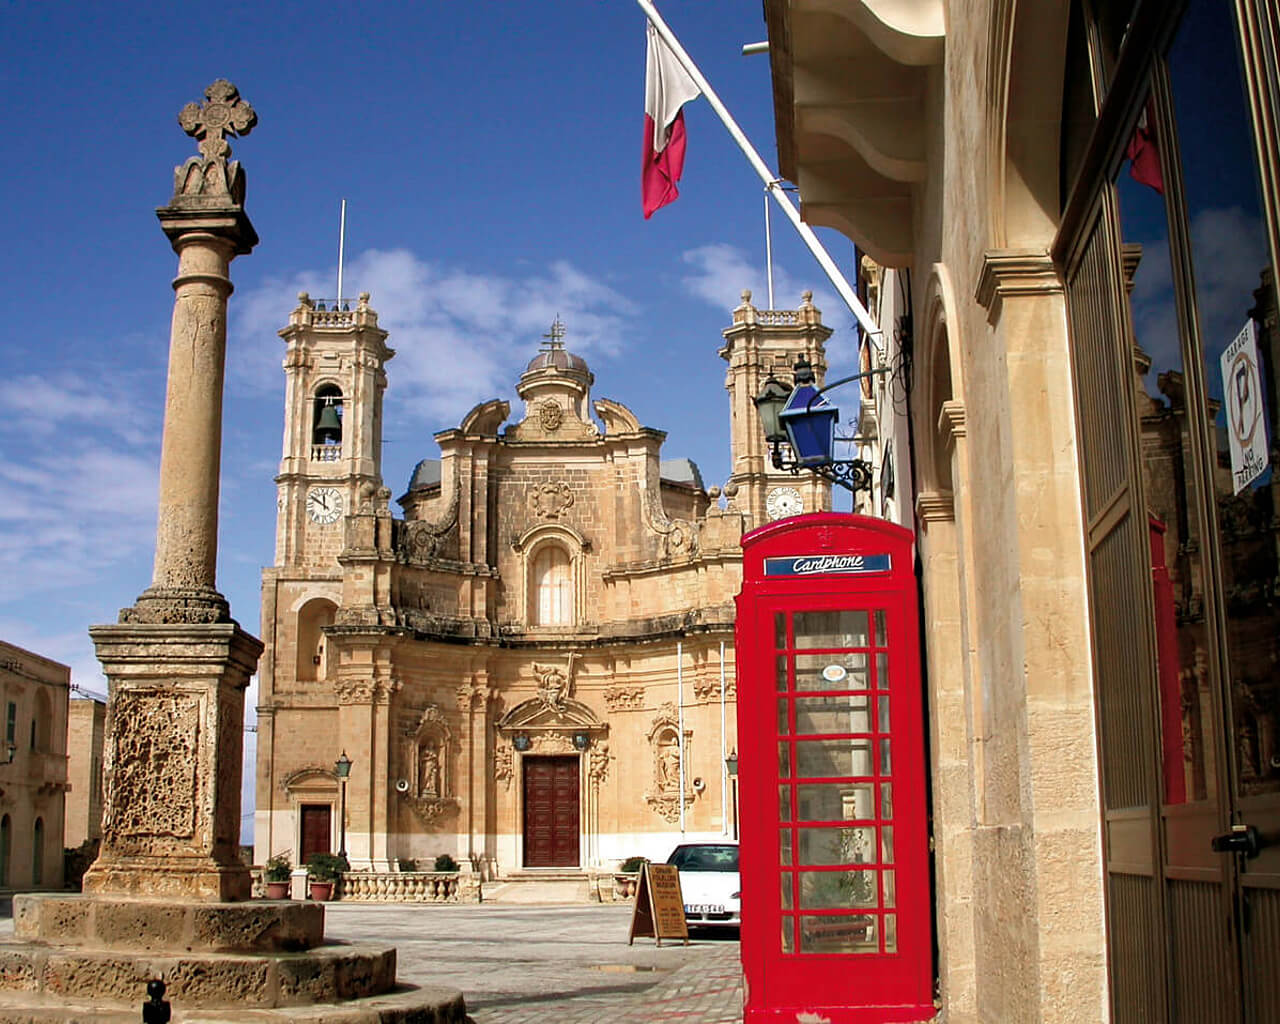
{"type": "Point", "coordinates": [329, 427]}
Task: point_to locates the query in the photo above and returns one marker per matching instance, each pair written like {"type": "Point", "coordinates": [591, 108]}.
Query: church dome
{"type": "Point", "coordinates": [558, 359]}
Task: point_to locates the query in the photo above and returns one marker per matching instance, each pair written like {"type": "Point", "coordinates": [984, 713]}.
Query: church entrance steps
{"type": "Point", "coordinates": [534, 887]}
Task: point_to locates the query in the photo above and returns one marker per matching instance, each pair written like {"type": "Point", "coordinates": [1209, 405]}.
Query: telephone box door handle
{"type": "Point", "coordinates": [1241, 839]}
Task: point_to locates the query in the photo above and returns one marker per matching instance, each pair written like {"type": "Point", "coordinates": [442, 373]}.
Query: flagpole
{"type": "Point", "coordinates": [768, 249]}
{"type": "Point", "coordinates": [772, 182]}
{"type": "Point", "coordinates": [342, 240]}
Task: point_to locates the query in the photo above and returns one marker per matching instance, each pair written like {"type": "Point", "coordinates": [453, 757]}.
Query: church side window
{"type": "Point", "coordinates": [552, 587]}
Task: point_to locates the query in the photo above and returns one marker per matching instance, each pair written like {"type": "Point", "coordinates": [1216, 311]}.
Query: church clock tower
{"type": "Point", "coordinates": [334, 380]}
{"type": "Point", "coordinates": [761, 343]}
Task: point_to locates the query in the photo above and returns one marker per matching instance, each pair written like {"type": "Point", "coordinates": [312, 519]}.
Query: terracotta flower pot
{"type": "Point", "coordinates": [322, 892]}
{"type": "Point", "coordinates": [277, 890]}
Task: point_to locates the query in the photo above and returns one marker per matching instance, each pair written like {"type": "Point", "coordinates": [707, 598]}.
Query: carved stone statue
{"type": "Point", "coordinates": [429, 772]}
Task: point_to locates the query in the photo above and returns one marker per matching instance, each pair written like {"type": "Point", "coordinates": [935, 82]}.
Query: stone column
{"type": "Point", "coordinates": [178, 664]}
{"type": "Point", "coordinates": [207, 226]}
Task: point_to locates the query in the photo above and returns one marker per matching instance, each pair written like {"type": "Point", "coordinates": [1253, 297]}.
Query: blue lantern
{"type": "Point", "coordinates": [809, 420]}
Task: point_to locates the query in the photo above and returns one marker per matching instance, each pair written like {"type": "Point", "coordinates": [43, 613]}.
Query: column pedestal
{"type": "Point", "coordinates": [174, 744]}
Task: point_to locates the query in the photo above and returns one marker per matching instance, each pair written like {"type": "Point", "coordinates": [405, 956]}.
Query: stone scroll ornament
{"type": "Point", "coordinates": [679, 537]}
{"type": "Point", "coordinates": [420, 540]}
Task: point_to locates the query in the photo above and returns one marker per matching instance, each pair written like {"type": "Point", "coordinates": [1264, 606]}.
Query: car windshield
{"type": "Point", "coordinates": [705, 858]}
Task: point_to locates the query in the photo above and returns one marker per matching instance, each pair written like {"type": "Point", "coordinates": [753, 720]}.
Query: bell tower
{"type": "Point", "coordinates": [763, 343]}
{"type": "Point", "coordinates": [334, 380]}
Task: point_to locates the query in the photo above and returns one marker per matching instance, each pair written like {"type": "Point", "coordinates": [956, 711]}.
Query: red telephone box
{"type": "Point", "coordinates": [836, 922]}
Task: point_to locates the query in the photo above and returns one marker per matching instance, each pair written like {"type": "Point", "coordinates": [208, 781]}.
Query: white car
{"type": "Point", "coordinates": [709, 883]}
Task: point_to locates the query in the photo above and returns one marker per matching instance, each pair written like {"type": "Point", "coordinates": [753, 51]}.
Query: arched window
{"type": "Point", "coordinates": [552, 590]}
{"type": "Point", "coordinates": [312, 617]}
{"type": "Point", "coordinates": [37, 853]}
{"type": "Point", "coordinates": [6, 840]}
{"type": "Point", "coordinates": [326, 423]}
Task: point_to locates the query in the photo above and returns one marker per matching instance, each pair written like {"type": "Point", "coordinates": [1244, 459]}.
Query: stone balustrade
{"type": "Point", "coordinates": [408, 887]}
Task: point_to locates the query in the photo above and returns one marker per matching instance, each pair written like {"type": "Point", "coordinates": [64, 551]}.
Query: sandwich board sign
{"type": "Point", "coordinates": [659, 907]}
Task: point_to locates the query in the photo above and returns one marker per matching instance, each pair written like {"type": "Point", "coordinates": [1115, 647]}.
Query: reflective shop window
{"type": "Point", "coordinates": [1236, 300]}
{"type": "Point", "coordinates": [1232, 292]}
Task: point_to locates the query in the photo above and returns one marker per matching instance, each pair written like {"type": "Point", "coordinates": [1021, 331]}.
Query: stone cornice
{"type": "Point", "coordinates": [935, 507]}
{"type": "Point", "coordinates": [951, 420]}
{"type": "Point", "coordinates": [1008, 272]}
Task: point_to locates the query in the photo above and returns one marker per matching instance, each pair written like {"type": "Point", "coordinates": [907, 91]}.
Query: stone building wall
{"type": "Point", "coordinates": [86, 722]}
{"type": "Point", "coordinates": [33, 716]}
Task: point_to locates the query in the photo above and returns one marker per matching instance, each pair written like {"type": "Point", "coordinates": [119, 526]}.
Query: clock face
{"type": "Point", "coordinates": [324, 505]}
{"type": "Point", "coordinates": [783, 502]}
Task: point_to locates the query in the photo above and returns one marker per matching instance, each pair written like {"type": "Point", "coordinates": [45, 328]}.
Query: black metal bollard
{"type": "Point", "coordinates": [156, 1009]}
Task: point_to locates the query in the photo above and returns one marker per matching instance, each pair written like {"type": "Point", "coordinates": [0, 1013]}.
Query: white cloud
{"type": "Point", "coordinates": [78, 480]}
{"type": "Point", "coordinates": [1228, 251]}
{"type": "Point", "coordinates": [720, 272]}
{"type": "Point", "coordinates": [460, 337]}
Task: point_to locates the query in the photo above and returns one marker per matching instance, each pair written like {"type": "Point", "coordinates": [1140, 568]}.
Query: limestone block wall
{"type": "Point", "coordinates": [34, 693]}
{"type": "Point", "coordinates": [86, 722]}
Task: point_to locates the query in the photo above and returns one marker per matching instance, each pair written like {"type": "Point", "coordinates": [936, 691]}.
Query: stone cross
{"type": "Point", "coordinates": [225, 113]}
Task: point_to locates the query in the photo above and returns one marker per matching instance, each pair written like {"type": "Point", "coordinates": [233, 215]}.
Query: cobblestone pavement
{"type": "Point", "coordinates": [553, 965]}
{"type": "Point", "coordinates": [566, 964]}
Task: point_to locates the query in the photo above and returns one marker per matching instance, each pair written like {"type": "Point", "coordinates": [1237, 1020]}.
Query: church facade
{"type": "Point", "coordinates": [531, 666]}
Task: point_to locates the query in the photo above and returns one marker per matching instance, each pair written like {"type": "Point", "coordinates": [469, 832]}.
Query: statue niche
{"type": "Point", "coordinates": [426, 784]}
{"type": "Point", "coordinates": [667, 749]}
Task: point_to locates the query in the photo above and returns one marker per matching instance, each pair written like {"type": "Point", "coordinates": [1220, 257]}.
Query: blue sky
{"type": "Point", "coordinates": [489, 153]}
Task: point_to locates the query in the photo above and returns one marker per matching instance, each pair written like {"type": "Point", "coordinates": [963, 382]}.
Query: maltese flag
{"type": "Point", "coordinates": [667, 88]}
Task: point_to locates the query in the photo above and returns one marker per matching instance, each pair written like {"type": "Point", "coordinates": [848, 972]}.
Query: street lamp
{"type": "Point", "coordinates": [805, 422]}
{"type": "Point", "coordinates": [343, 768]}
{"type": "Point", "coordinates": [731, 768]}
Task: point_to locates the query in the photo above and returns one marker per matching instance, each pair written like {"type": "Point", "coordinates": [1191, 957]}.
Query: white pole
{"type": "Point", "coordinates": [680, 725]}
{"type": "Point", "coordinates": [342, 238]}
{"type": "Point", "coordinates": [724, 753]}
{"type": "Point", "coordinates": [772, 183]}
{"type": "Point", "coordinates": [768, 248]}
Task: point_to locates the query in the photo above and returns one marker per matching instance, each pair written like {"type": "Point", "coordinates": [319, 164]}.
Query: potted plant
{"type": "Point", "coordinates": [323, 870]}
{"type": "Point", "coordinates": [277, 876]}
{"type": "Point", "coordinates": [445, 863]}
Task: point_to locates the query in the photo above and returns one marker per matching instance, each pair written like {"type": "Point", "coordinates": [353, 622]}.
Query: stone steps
{"type": "Point", "coordinates": [541, 888]}
{"type": "Point", "coordinates": [89, 959]}
{"type": "Point", "coordinates": [404, 1005]}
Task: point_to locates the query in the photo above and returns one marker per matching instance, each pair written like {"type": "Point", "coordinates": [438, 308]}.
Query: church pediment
{"type": "Point", "coordinates": [537, 713]}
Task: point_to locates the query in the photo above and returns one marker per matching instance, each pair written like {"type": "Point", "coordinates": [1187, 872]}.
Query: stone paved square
{"type": "Point", "coordinates": [569, 964]}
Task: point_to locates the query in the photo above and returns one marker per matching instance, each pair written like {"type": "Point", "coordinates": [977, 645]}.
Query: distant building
{"type": "Point", "coordinates": [86, 724]}
{"type": "Point", "coordinates": [33, 768]}
{"type": "Point", "coordinates": [535, 666]}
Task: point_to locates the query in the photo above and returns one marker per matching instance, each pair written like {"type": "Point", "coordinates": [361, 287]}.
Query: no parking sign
{"type": "Point", "coordinates": [1242, 399]}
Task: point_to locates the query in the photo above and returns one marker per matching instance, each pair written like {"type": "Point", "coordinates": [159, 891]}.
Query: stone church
{"type": "Point", "coordinates": [531, 665]}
